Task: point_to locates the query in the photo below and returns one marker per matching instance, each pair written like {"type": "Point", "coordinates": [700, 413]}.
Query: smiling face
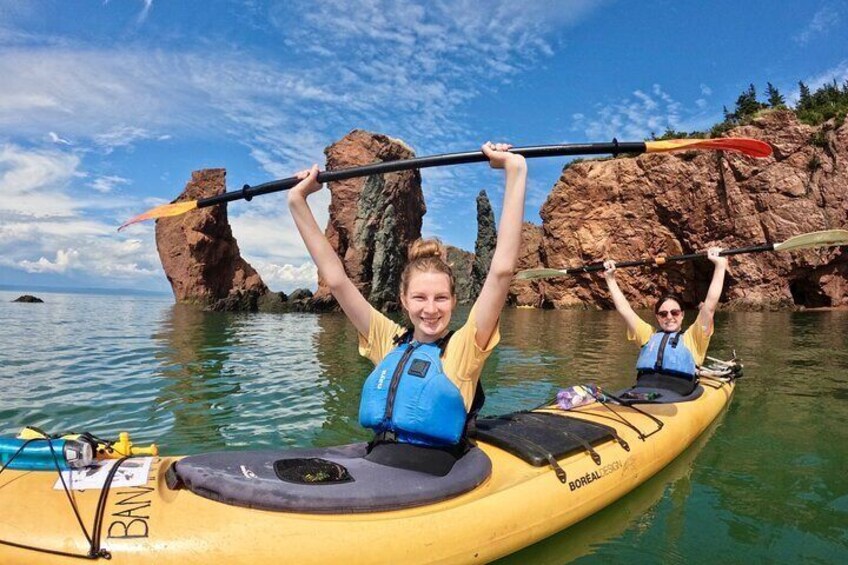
{"type": "Point", "coordinates": [670, 316]}
{"type": "Point", "coordinates": [428, 303]}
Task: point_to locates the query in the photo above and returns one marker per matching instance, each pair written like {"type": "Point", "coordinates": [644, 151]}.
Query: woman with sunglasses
{"type": "Point", "coordinates": [668, 357]}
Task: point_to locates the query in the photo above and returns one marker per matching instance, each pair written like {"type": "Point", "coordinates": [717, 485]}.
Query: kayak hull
{"type": "Point", "coordinates": [518, 505]}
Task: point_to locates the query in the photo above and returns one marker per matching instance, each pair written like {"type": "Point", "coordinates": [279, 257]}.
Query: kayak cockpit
{"type": "Point", "coordinates": [332, 480]}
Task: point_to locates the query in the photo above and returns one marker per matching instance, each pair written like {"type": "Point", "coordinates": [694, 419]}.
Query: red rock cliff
{"type": "Point", "coordinates": [199, 254]}
{"type": "Point", "coordinates": [372, 220]}
{"type": "Point", "coordinates": [666, 204]}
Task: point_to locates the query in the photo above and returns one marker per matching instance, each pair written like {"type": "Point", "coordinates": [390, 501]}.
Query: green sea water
{"type": "Point", "coordinates": [766, 484]}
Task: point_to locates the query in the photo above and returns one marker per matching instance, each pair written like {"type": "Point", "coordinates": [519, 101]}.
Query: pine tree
{"type": "Point", "coordinates": [804, 97]}
{"type": "Point", "coordinates": [775, 98]}
{"type": "Point", "coordinates": [746, 104]}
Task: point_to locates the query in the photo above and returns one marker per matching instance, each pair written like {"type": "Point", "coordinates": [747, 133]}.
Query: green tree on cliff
{"type": "Point", "coordinates": [829, 101]}
{"type": "Point", "coordinates": [747, 104]}
{"type": "Point", "coordinates": [775, 98]}
{"type": "Point", "coordinates": [804, 96]}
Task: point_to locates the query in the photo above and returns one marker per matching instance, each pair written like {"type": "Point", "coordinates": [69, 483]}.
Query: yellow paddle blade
{"type": "Point", "coordinates": [750, 147]}
{"type": "Point", "coordinates": [532, 274]}
{"type": "Point", "coordinates": [827, 238]}
{"type": "Point", "coordinates": [163, 211]}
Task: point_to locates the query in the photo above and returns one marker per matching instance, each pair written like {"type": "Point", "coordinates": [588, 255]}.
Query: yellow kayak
{"type": "Point", "coordinates": [526, 492]}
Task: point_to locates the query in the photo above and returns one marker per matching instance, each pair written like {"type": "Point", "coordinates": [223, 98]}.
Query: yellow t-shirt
{"type": "Point", "coordinates": [696, 338]}
{"type": "Point", "coordinates": [462, 362]}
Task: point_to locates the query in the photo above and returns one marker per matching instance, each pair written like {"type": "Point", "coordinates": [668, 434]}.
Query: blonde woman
{"type": "Point", "coordinates": [421, 394]}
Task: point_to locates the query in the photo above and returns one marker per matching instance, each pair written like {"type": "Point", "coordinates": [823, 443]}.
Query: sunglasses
{"type": "Point", "coordinates": [664, 313]}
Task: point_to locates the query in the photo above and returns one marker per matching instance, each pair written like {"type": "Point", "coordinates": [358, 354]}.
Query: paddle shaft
{"type": "Point", "coordinates": [672, 259]}
{"type": "Point", "coordinates": [248, 192]}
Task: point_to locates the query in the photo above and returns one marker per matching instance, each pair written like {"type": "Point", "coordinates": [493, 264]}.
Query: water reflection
{"type": "Point", "coordinates": [198, 381]}
{"type": "Point", "coordinates": [344, 371]}
{"type": "Point", "coordinates": [236, 381]}
{"type": "Point", "coordinates": [780, 465]}
{"type": "Point", "coordinates": [660, 499]}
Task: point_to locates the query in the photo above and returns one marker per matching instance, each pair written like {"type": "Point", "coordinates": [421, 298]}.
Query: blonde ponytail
{"type": "Point", "coordinates": [427, 256]}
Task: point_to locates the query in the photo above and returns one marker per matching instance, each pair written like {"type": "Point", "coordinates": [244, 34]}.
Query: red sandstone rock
{"type": "Point", "coordinates": [461, 262]}
{"type": "Point", "coordinates": [528, 293]}
{"type": "Point", "coordinates": [199, 254]}
{"type": "Point", "coordinates": [372, 220]}
{"type": "Point", "coordinates": [632, 208]}
{"type": "Point", "coordinates": [625, 208]}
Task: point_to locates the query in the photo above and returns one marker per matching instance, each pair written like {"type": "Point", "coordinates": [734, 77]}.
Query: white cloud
{"type": "Point", "coordinates": [107, 184]}
{"type": "Point", "coordinates": [631, 118]}
{"type": "Point", "coordinates": [123, 136]}
{"type": "Point", "coordinates": [839, 73]}
{"type": "Point", "coordinates": [145, 11]}
{"type": "Point", "coordinates": [408, 68]}
{"type": "Point", "coordinates": [43, 229]}
{"type": "Point", "coordinates": [265, 230]}
{"type": "Point", "coordinates": [826, 18]}
{"type": "Point", "coordinates": [78, 246]}
{"type": "Point", "coordinates": [54, 137]}
{"type": "Point", "coordinates": [32, 182]}
{"type": "Point", "coordinates": [287, 277]}
{"type": "Point", "coordinates": [648, 103]}
{"type": "Point", "coordinates": [64, 258]}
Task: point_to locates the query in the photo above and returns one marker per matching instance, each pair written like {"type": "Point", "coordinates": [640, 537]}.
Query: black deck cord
{"type": "Point", "coordinates": [18, 452]}
{"type": "Point", "coordinates": [545, 404]}
{"type": "Point", "coordinates": [68, 494]}
{"type": "Point", "coordinates": [90, 555]}
{"type": "Point", "coordinates": [49, 551]}
{"type": "Point", "coordinates": [61, 478]}
{"type": "Point", "coordinates": [624, 445]}
{"type": "Point", "coordinates": [96, 551]}
{"type": "Point", "coordinates": [620, 418]}
{"type": "Point", "coordinates": [586, 445]}
{"type": "Point", "coordinates": [560, 472]}
{"type": "Point", "coordinates": [623, 420]}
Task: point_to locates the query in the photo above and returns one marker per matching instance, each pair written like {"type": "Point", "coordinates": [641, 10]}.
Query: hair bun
{"type": "Point", "coordinates": [425, 248]}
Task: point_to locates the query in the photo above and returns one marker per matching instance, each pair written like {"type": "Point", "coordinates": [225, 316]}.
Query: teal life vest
{"type": "Point", "coordinates": [409, 399]}
{"type": "Point", "coordinates": [665, 354]}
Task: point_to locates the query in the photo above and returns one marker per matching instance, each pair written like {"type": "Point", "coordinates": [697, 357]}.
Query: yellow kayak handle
{"type": "Point", "coordinates": [125, 448]}
{"type": "Point", "coordinates": [122, 448]}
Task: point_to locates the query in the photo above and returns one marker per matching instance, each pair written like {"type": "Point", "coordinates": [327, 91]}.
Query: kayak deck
{"type": "Point", "coordinates": [518, 505]}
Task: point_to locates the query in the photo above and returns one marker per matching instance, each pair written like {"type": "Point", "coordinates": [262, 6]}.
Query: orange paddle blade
{"type": "Point", "coordinates": [750, 147]}
{"type": "Point", "coordinates": [163, 211]}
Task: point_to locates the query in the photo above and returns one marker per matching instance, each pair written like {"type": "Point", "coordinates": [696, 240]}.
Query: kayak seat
{"type": "Point", "coordinates": [535, 437]}
{"type": "Point", "coordinates": [653, 395]}
{"type": "Point", "coordinates": [333, 480]}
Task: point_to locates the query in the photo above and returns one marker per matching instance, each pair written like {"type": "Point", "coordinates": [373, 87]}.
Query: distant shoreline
{"type": "Point", "coordinates": [33, 289]}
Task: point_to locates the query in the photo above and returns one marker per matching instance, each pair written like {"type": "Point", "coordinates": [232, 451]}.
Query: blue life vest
{"type": "Point", "coordinates": [409, 396]}
{"type": "Point", "coordinates": [665, 354]}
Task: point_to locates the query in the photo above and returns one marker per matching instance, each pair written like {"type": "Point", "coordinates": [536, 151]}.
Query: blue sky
{"type": "Point", "coordinates": [107, 106]}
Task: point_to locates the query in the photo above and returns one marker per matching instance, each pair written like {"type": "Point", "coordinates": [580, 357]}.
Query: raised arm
{"type": "Point", "coordinates": [708, 308]}
{"type": "Point", "coordinates": [492, 297]}
{"type": "Point", "coordinates": [330, 267]}
{"type": "Point", "coordinates": [622, 306]}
